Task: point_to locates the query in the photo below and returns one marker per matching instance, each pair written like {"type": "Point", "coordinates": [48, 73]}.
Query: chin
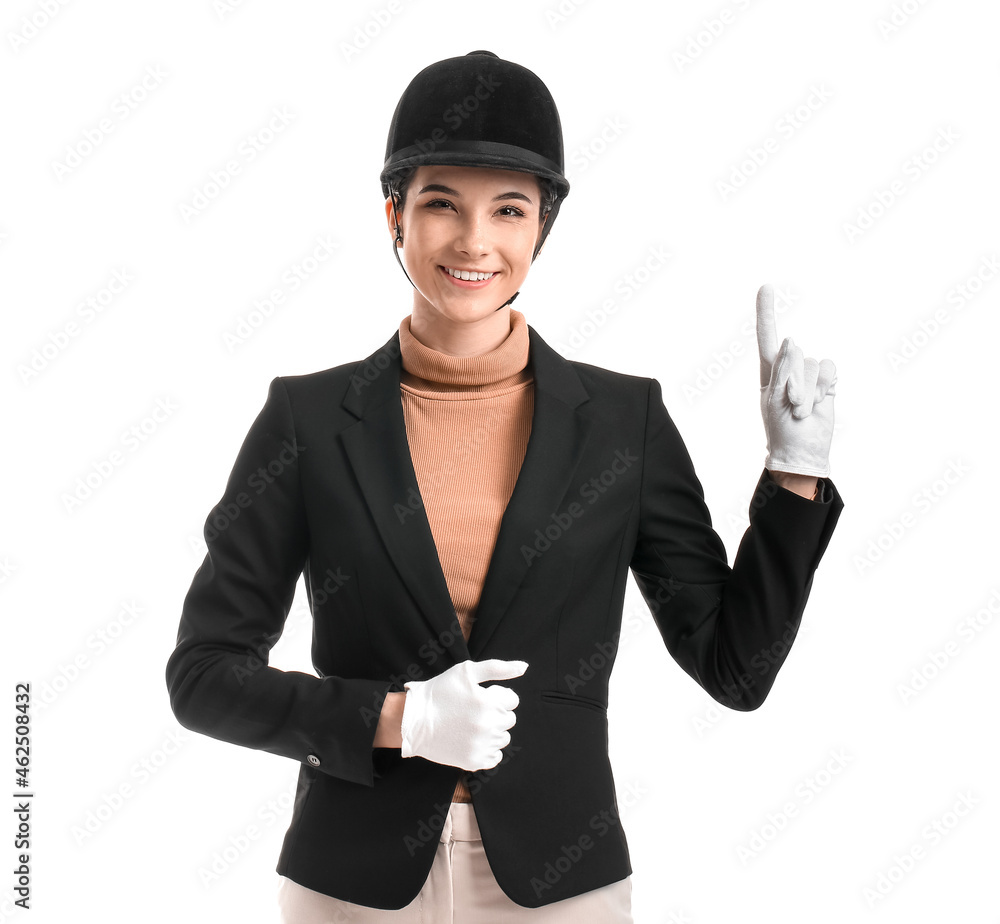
{"type": "Point", "coordinates": [472, 308]}
{"type": "Point", "coordinates": [470, 312]}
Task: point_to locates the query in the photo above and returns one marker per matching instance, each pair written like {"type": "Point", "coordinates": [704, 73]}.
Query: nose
{"type": "Point", "coordinates": [473, 236]}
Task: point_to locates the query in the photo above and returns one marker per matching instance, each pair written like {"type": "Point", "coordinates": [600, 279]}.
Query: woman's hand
{"type": "Point", "coordinates": [451, 719]}
{"type": "Point", "coordinates": [796, 399]}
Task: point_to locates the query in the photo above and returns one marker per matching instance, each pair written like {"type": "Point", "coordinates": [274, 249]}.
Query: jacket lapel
{"type": "Point", "coordinates": [380, 455]}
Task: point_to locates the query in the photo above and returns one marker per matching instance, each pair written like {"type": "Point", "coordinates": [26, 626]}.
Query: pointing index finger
{"type": "Point", "coordinates": [767, 333]}
{"type": "Point", "coordinates": [498, 669]}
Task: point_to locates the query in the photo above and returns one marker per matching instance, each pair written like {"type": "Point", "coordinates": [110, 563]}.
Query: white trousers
{"type": "Point", "coordinates": [459, 890]}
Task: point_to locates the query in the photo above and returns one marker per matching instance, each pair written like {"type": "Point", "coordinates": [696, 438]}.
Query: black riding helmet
{"type": "Point", "coordinates": [477, 110]}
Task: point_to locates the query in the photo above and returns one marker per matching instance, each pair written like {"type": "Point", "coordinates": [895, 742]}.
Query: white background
{"type": "Point", "coordinates": [659, 107]}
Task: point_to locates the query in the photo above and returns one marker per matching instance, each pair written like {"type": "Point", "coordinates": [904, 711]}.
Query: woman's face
{"type": "Point", "coordinates": [475, 219]}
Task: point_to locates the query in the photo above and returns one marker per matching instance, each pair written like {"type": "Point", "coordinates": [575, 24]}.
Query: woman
{"type": "Point", "coordinates": [465, 505]}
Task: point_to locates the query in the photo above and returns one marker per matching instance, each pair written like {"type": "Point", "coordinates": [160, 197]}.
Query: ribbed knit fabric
{"type": "Point", "coordinates": [468, 420]}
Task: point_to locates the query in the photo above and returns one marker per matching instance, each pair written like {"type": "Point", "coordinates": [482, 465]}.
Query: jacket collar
{"type": "Point", "coordinates": [379, 454]}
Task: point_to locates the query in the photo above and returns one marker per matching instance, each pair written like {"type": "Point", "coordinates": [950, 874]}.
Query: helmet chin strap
{"type": "Point", "coordinates": [398, 243]}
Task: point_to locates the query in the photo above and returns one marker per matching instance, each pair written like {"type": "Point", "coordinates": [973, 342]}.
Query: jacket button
{"type": "Point", "coordinates": [313, 760]}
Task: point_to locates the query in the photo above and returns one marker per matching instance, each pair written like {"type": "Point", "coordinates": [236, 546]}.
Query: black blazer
{"type": "Point", "coordinates": [324, 484]}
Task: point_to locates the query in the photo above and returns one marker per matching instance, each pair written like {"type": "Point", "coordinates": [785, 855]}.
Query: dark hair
{"type": "Point", "coordinates": [399, 183]}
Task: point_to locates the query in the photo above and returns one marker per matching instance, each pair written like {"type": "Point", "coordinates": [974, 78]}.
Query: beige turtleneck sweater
{"type": "Point", "coordinates": [468, 420]}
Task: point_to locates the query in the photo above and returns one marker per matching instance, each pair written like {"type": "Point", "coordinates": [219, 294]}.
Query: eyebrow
{"type": "Point", "coordinates": [447, 190]}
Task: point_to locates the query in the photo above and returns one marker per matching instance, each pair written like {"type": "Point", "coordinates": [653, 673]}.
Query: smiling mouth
{"type": "Point", "coordinates": [468, 275]}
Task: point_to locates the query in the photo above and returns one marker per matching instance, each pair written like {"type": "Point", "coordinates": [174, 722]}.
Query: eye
{"type": "Point", "coordinates": [506, 211]}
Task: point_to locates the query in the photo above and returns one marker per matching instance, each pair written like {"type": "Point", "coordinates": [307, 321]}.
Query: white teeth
{"type": "Point", "coordinates": [465, 274]}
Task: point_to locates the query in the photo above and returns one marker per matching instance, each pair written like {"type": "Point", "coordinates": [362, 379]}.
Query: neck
{"type": "Point", "coordinates": [458, 337]}
{"type": "Point", "coordinates": [430, 370]}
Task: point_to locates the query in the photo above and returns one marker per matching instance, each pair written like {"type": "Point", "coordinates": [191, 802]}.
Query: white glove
{"type": "Point", "coordinates": [451, 720]}
{"type": "Point", "coordinates": [796, 399]}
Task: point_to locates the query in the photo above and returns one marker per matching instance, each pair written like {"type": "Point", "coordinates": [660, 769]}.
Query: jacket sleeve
{"type": "Point", "coordinates": [218, 676]}
{"type": "Point", "coordinates": [728, 628]}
